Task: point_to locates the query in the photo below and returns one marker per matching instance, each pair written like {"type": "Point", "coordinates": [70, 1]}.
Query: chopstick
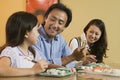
{"type": "Point", "coordinates": [30, 59]}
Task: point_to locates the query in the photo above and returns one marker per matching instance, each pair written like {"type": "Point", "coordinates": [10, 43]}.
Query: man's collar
{"type": "Point", "coordinates": [44, 35]}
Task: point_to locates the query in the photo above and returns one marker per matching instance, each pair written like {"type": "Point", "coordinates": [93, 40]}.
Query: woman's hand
{"type": "Point", "coordinates": [89, 59]}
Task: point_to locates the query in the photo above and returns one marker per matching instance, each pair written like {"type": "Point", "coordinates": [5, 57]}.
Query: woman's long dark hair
{"type": "Point", "coordinates": [17, 26]}
{"type": "Point", "coordinates": [98, 48]}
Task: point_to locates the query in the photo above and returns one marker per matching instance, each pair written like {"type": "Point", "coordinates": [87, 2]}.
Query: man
{"type": "Point", "coordinates": [51, 44]}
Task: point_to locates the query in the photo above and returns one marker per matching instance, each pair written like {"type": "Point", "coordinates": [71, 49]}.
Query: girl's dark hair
{"type": "Point", "coordinates": [62, 7]}
{"type": "Point", "coordinates": [98, 48]}
{"type": "Point", "coordinates": [16, 27]}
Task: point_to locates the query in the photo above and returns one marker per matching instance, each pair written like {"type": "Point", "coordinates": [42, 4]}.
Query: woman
{"type": "Point", "coordinates": [94, 39]}
{"type": "Point", "coordinates": [16, 55]}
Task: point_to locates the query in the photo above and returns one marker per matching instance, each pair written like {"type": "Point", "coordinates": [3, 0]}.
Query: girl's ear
{"type": "Point", "coordinates": [27, 34]}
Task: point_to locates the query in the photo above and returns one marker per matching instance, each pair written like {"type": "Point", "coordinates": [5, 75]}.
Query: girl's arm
{"type": "Point", "coordinates": [7, 70]}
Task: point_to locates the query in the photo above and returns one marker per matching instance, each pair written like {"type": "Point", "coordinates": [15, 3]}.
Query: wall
{"type": "Point", "coordinates": [7, 8]}
{"type": "Point", "coordinates": [83, 12]}
{"type": "Point", "coordinates": [107, 10]}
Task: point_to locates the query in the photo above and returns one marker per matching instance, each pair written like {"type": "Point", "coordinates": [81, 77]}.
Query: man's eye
{"type": "Point", "coordinates": [52, 19]}
{"type": "Point", "coordinates": [97, 33]}
{"type": "Point", "coordinates": [61, 22]}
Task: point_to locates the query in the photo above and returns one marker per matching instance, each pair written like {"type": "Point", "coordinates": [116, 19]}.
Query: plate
{"type": "Point", "coordinates": [116, 72]}
{"type": "Point", "coordinates": [58, 72]}
{"type": "Point", "coordinates": [46, 74]}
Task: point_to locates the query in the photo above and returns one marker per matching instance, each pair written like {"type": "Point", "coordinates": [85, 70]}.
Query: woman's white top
{"type": "Point", "coordinates": [18, 58]}
{"type": "Point", "coordinates": [74, 43]}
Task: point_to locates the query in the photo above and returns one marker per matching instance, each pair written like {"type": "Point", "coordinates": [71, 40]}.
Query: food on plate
{"type": "Point", "coordinates": [60, 71]}
{"type": "Point", "coordinates": [95, 67]}
{"type": "Point", "coordinates": [56, 72]}
{"type": "Point", "coordinates": [98, 68]}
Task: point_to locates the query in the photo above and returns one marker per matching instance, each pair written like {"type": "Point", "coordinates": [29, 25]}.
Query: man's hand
{"type": "Point", "coordinates": [79, 53]}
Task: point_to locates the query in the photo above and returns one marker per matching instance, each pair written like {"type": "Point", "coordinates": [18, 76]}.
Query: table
{"type": "Point", "coordinates": [85, 76]}
{"type": "Point", "coordinates": [77, 76]}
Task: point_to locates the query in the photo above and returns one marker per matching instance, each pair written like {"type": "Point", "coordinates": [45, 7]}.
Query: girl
{"type": "Point", "coordinates": [16, 55]}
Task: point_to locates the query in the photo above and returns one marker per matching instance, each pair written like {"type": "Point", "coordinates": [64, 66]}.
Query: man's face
{"type": "Point", "coordinates": [55, 22]}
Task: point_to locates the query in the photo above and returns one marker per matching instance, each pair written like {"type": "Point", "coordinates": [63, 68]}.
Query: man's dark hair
{"type": "Point", "coordinates": [62, 7]}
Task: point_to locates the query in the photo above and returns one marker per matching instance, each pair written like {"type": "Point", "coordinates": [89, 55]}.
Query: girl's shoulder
{"type": "Point", "coordinates": [9, 50]}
